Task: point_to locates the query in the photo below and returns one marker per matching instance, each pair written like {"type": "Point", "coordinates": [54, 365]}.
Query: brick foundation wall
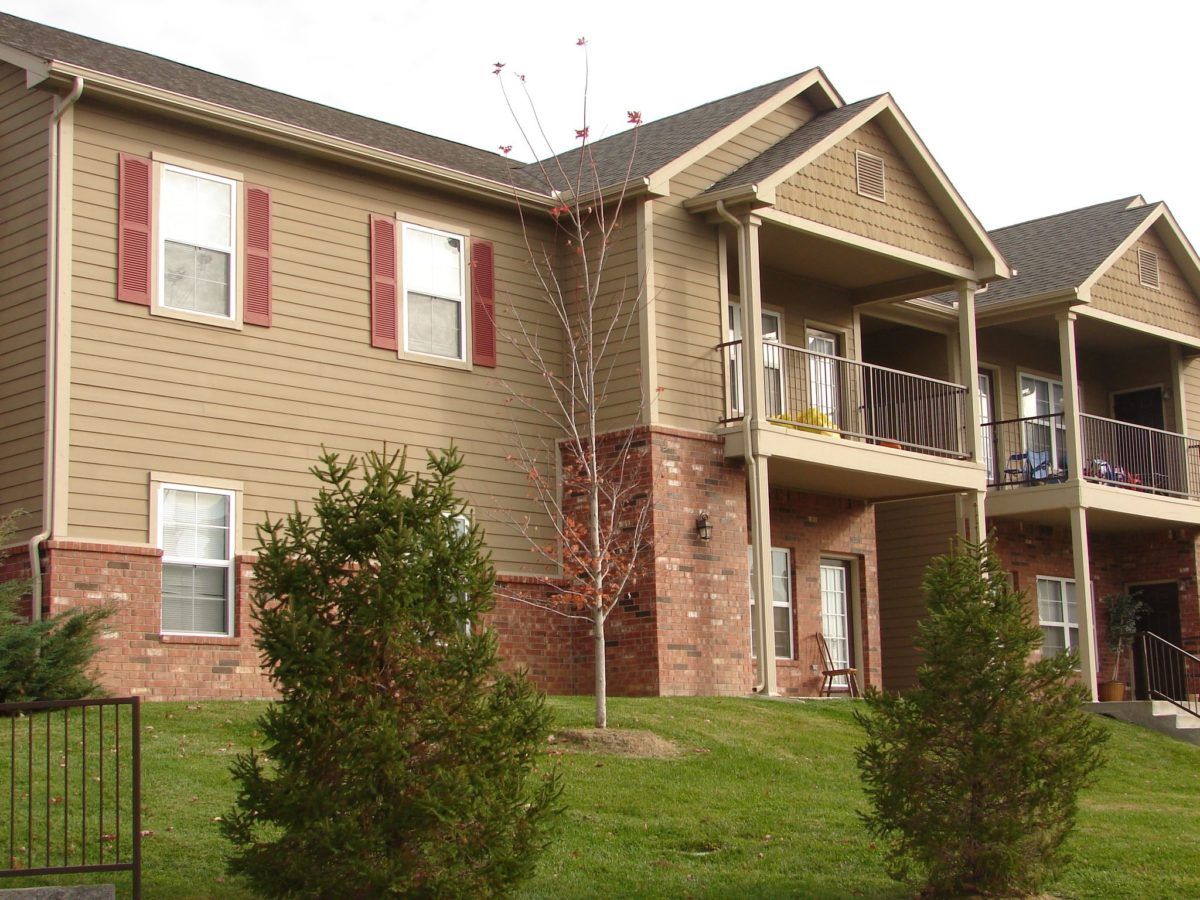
{"type": "Point", "coordinates": [554, 651]}
{"type": "Point", "coordinates": [135, 658]}
{"type": "Point", "coordinates": [14, 565]}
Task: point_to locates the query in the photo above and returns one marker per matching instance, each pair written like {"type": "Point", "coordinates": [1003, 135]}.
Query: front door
{"type": "Point", "coordinates": [1145, 454]}
{"type": "Point", "coordinates": [987, 415]}
{"type": "Point", "coordinates": [836, 620]}
{"type": "Point", "coordinates": [1161, 618]}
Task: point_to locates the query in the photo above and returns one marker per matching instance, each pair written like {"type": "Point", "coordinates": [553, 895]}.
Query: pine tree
{"type": "Point", "coordinates": [44, 659]}
{"type": "Point", "coordinates": [973, 776]}
{"type": "Point", "coordinates": [397, 761]}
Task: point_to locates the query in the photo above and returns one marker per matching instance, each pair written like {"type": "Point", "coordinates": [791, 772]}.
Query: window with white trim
{"type": "Point", "coordinates": [434, 292]}
{"type": "Point", "coordinates": [197, 238]}
{"type": "Point", "coordinates": [195, 533]}
{"type": "Point", "coordinates": [781, 602]}
{"type": "Point", "coordinates": [1058, 615]}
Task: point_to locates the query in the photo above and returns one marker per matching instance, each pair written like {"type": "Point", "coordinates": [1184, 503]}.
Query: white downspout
{"type": "Point", "coordinates": [749, 436]}
{"type": "Point", "coordinates": [50, 434]}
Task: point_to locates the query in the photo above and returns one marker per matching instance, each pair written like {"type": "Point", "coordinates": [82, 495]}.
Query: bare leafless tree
{"type": "Point", "coordinates": [592, 486]}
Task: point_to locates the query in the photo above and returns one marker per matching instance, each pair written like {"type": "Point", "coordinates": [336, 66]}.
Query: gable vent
{"type": "Point", "coordinates": [1148, 268]}
{"type": "Point", "coordinates": [868, 173]}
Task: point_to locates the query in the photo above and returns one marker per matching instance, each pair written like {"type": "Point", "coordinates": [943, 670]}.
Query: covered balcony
{"type": "Point", "coordinates": [844, 399]}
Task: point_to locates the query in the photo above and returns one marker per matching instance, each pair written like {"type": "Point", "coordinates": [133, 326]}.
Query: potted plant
{"type": "Point", "coordinates": [1124, 612]}
{"type": "Point", "coordinates": [811, 419]}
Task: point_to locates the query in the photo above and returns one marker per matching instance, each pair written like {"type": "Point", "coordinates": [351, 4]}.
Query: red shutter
{"type": "Point", "coordinates": [383, 282]}
{"type": "Point", "coordinates": [133, 229]}
{"type": "Point", "coordinates": [258, 256]}
{"type": "Point", "coordinates": [483, 303]}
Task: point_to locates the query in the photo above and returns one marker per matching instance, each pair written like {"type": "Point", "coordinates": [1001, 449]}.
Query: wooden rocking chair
{"type": "Point", "coordinates": [828, 672]}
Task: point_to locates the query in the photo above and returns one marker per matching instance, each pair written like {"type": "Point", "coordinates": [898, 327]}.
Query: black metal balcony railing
{"type": "Point", "coordinates": [1033, 451]}
{"type": "Point", "coordinates": [1134, 456]}
{"type": "Point", "coordinates": [1027, 451]}
{"type": "Point", "coordinates": [831, 395]}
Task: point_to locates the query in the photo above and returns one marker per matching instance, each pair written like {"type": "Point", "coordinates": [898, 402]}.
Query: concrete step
{"type": "Point", "coordinates": [1159, 715]}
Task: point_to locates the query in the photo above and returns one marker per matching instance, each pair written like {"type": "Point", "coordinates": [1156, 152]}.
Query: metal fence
{"type": "Point", "coordinates": [74, 787]}
{"type": "Point", "coordinates": [832, 395]}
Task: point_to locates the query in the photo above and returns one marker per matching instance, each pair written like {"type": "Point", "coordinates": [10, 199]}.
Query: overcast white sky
{"type": "Point", "coordinates": [1031, 107]}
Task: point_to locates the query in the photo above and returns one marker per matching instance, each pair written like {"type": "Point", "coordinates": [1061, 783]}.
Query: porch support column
{"type": "Point", "coordinates": [756, 462]}
{"type": "Point", "coordinates": [968, 367]}
{"type": "Point", "coordinates": [1071, 410]}
{"type": "Point", "coordinates": [1083, 598]}
{"type": "Point", "coordinates": [971, 506]}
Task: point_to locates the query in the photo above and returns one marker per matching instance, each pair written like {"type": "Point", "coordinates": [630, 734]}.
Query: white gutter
{"type": "Point", "coordinates": [50, 433]}
{"type": "Point", "coordinates": [750, 436]}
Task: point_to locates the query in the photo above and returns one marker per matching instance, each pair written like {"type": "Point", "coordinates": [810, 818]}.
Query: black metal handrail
{"type": "Point", "coordinates": [1027, 451]}
{"type": "Point", "coordinates": [1169, 673]}
{"type": "Point", "coordinates": [832, 395]}
{"type": "Point", "coordinates": [1134, 456]}
{"type": "Point", "coordinates": [66, 767]}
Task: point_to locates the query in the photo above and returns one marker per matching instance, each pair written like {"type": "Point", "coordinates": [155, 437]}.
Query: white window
{"type": "Point", "coordinates": [1044, 431]}
{"type": "Point", "coordinates": [195, 532]}
{"type": "Point", "coordinates": [781, 602]}
{"type": "Point", "coordinates": [772, 336]}
{"type": "Point", "coordinates": [434, 292]}
{"type": "Point", "coordinates": [1058, 615]}
{"type": "Point", "coordinates": [835, 615]}
{"type": "Point", "coordinates": [197, 235]}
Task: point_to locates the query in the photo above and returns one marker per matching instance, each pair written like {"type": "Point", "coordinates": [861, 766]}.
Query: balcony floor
{"type": "Point", "coordinates": [825, 464]}
{"type": "Point", "coordinates": [1111, 508]}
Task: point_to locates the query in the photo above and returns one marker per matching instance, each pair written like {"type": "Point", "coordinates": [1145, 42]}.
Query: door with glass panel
{"type": "Point", "coordinates": [824, 387]}
{"type": "Point", "coordinates": [1044, 433]}
{"type": "Point", "coordinates": [987, 415]}
{"type": "Point", "coordinates": [772, 333]}
{"type": "Point", "coordinates": [781, 603]}
{"type": "Point", "coordinates": [836, 620]}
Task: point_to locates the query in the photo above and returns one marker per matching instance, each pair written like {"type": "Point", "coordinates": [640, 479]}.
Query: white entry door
{"type": "Point", "coordinates": [835, 615]}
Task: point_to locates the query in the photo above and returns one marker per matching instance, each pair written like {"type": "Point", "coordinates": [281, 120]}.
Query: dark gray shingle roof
{"type": "Point", "coordinates": [802, 139]}
{"type": "Point", "coordinates": [659, 142]}
{"type": "Point", "coordinates": [663, 140]}
{"type": "Point", "coordinates": [55, 44]}
{"type": "Point", "coordinates": [1059, 252]}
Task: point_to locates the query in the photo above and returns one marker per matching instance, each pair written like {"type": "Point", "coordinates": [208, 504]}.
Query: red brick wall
{"type": "Point", "coordinates": [14, 565]}
{"type": "Point", "coordinates": [1116, 560]}
{"type": "Point", "coordinates": [812, 526]}
{"type": "Point", "coordinates": [555, 651]}
{"type": "Point", "coordinates": [134, 657]}
{"type": "Point", "coordinates": [700, 587]}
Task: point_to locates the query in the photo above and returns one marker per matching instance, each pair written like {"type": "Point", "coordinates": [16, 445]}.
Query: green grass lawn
{"type": "Point", "coordinates": [762, 802]}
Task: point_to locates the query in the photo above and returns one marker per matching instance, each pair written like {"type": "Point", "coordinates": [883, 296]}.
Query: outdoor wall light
{"type": "Point", "coordinates": [704, 527]}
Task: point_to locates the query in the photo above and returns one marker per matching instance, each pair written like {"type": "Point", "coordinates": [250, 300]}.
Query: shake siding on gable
{"type": "Point", "coordinates": [152, 393]}
{"type": "Point", "coordinates": [24, 155]}
{"type": "Point", "coordinates": [1174, 305]}
{"type": "Point", "coordinates": [824, 191]}
{"type": "Point", "coordinates": [688, 315]}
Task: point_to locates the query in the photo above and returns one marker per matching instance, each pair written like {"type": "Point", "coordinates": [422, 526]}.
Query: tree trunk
{"type": "Point", "coordinates": [601, 676]}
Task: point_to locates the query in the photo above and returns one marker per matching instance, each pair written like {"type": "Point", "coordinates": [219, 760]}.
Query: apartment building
{"type": "Point", "coordinates": [204, 282]}
{"type": "Point", "coordinates": [1087, 381]}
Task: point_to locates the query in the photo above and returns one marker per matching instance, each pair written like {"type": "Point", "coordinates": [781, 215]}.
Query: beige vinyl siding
{"type": "Point", "coordinates": [1174, 305]}
{"type": "Point", "coordinates": [1191, 394]}
{"type": "Point", "coordinates": [1009, 353]}
{"type": "Point", "coordinates": [911, 350]}
{"type": "Point", "coordinates": [825, 192]}
{"type": "Point", "coordinates": [908, 534]}
{"type": "Point", "coordinates": [152, 393]}
{"type": "Point", "coordinates": [620, 295]}
{"type": "Point", "coordinates": [24, 169]}
{"type": "Point", "coordinates": [810, 304]}
{"type": "Point", "coordinates": [688, 314]}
